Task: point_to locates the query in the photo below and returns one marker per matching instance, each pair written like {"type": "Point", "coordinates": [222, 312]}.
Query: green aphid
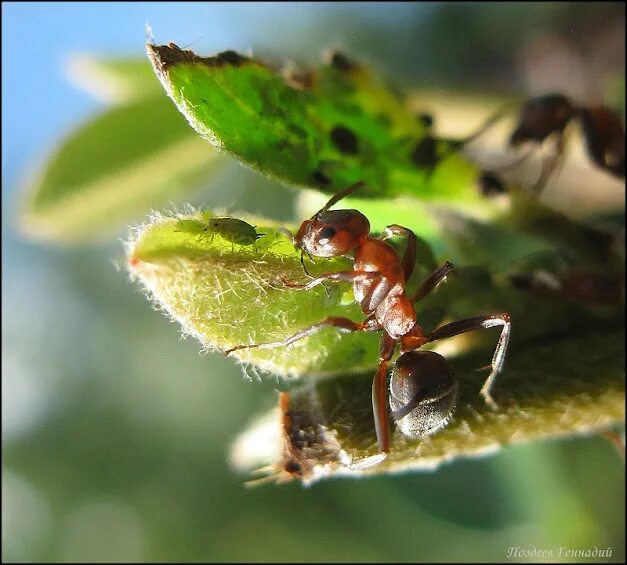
{"type": "Point", "coordinates": [234, 230]}
{"type": "Point", "coordinates": [230, 229]}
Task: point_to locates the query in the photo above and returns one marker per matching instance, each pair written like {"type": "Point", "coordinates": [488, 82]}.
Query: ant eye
{"type": "Point", "coordinates": [423, 392]}
{"type": "Point", "coordinates": [327, 233]}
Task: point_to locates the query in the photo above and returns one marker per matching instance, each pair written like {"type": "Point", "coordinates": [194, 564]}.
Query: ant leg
{"type": "Point", "coordinates": [346, 276]}
{"type": "Point", "coordinates": [379, 394]}
{"type": "Point", "coordinates": [487, 124]}
{"type": "Point", "coordinates": [462, 326]}
{"type": "Point", "coordinates": [409, 257]}
{"type": "Point", "coordinates": [551, 165]}
{"type": "Point", "coordinates": [341, 324]}
{"type": "Point", "coordinates": [432, 281]}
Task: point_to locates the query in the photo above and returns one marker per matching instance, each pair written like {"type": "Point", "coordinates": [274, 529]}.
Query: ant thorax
{"type": "Point", "coordinates": [372, 255]}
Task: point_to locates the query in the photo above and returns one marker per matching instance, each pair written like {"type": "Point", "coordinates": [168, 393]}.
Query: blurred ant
{"type": "Point", "coordinates": [547, 116]}
{"type": "Point", "coordinates": [423, 386]}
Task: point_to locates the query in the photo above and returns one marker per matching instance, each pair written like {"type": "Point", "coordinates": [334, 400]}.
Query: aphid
{"type": "Point", "coordinates": [231, 229]}
{"type": "Point", "coordinates": [234, 230]}
{"type": "Point", "coordinates": [423, 385]}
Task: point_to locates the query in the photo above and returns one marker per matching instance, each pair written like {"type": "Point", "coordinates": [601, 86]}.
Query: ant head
{"type": "Point", "coordinates": [331, 233]}
{"type": "Point", "coordinates": [542, 116]}
{"type": "Point", "coordinates": [423, 392]}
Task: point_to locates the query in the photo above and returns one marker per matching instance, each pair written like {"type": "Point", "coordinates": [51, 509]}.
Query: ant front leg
{"type": "Point", "coordinates": [341, 324]}
{"type": "Point", "coordinates": [409, 257]}
{"type": "Point", "coordinates": [379, 394]}
{"type": "Point", "coordinates": [346, 276]}
{"type": "Point", "coordinates": [469, 324]}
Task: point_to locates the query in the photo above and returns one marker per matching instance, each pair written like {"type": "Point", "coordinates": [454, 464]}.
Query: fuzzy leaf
{"type": "Point", "coordinates": [227, 294]}
{"type": "Point", "coordinates": [566, 386]}
{"type": "Point", "coordinates": [130, 158]}
{"type": "Point", "coordinates": [333, 126]}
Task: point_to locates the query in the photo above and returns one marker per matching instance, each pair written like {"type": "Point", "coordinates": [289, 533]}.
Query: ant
{"type": "Point", "coordinates": [422, 381]}
{"type": "Point", "coordinates": [547, 116]}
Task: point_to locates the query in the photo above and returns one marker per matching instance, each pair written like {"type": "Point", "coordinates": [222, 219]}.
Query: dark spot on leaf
{"type": "Point", "coordinates": [490, 185]}
{"type": "Point", "coordinates": [342, 62]}
{"type": "Point", "coordinates": [425, 119]}
{"type": "Point", "coordinates": [163, 56]}
{"type": "Point", "coordinates": [344, 139]}
{"type": "Point", "coordinates": [320, 178]}
{"type": "Point", "coordinates": [299, 79]}
{"type": "Point", "coordinates": [424, 154]}
{"type": "Point", "coordinates": [520, 281]}
{"type": "Point", "coordinates": [384, 120]}
{"type": "Point", "coordinates": [230, 58]}
{"type": "Point", "coordinates": [297, 130]}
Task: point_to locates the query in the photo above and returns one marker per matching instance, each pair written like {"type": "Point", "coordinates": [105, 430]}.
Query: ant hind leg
{"type": "Point", "coordinates": [380, 395]}
{"type": "Point", "coordinates": [469, 324]}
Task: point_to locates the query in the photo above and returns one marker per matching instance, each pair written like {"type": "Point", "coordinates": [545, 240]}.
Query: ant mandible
{"type": "Point", "coordinates": [422, 381]}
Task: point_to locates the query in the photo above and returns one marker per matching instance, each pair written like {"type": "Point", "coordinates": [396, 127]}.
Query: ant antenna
{"type": "Point", "coordinates": [302, 262]}
{"type": "Point", "coordinates": [337, 197]}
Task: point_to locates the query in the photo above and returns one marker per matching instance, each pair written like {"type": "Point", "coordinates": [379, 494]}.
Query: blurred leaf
{"type": "Point", "coordinates": [323, 129]}
{"type": "Point", "coordinates": [113, 169]}
{"type": "Point", "coordinates": [113, 80]}
{"type": "Point", "coordinates": [569, 386]}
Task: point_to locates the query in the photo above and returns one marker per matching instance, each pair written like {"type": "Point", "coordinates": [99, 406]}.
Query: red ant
{"type": "Point", "coordinates": [422, 381]}
{"type": "Point", "coordinates": [547, 116]}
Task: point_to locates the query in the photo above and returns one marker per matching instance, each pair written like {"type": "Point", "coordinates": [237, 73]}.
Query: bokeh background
{"type": "Point", "coordinates": [116, 433]}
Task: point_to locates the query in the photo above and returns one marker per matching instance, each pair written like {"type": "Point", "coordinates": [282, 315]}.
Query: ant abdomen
{"type": "Point", "coordinates": [423, 392]}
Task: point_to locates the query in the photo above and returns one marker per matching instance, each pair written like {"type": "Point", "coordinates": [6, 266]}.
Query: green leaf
{"type": "Point", "coordinates": [113, 80]}
{"type": "Point", "coordinates": [112, 170]}
{"type": "Point", "coordinates": [341, 125]}
{"type": "Point", "coordinates": [567, 386]}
